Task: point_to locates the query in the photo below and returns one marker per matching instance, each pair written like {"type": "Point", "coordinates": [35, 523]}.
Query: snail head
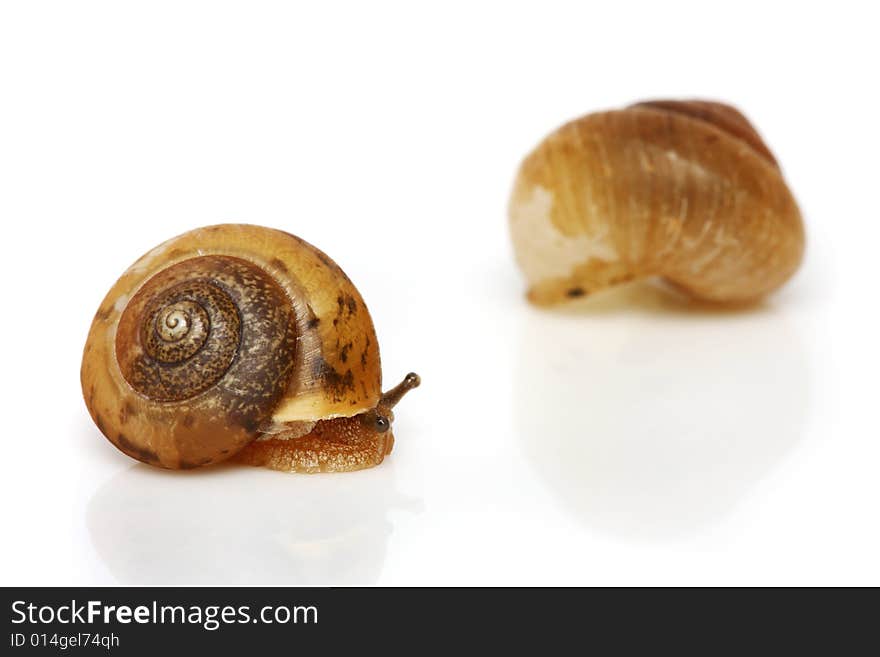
{"type": "Point", "coordinates": [381, 417]}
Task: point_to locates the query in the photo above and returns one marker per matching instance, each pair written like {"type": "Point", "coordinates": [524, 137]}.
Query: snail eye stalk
{"type": "Point", "coordinates": [389, 399]}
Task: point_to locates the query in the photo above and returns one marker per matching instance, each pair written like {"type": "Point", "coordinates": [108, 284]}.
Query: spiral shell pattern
{"type": "Point", "coordinates": [220, 333]}
{"type": "Point", "coordinates": [180, 334]}
{"type": "Point", "coordinates": [207, 347]}
{"type": "Point", "coordinates": [190, 334]}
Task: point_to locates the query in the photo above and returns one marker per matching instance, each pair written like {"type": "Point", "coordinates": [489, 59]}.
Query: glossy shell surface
{"type": "Point", "coordinates": [683, 190]}
{"type": "Point", "coordinates": [220, 333]}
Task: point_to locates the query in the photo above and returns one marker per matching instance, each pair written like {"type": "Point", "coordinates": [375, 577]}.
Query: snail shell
{"type": "Point", "coordinates": [223, 333]}
{"type": "Point", "coordinates": [682, 190]}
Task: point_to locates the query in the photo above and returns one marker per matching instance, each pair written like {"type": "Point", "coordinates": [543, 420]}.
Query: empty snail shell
{"type": "Point", "coordinates": [684, 191]}
{"type": "Point", "coordinates": [237, 341]}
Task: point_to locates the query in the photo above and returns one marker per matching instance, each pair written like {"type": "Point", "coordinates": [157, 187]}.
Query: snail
{"type": "Point", "coordinates": [239, 342]}
{"type": "Point", "coordinates": [683, 191]}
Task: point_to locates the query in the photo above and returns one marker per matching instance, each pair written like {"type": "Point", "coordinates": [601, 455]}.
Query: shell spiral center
{"type": "Point", "coordinates": [189, 334]}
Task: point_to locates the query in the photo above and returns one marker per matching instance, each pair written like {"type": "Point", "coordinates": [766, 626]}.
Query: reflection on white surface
{"type": "Point", "coordinates": [240, 525]}
{"type": "Point", "coordinates": [649, 418]}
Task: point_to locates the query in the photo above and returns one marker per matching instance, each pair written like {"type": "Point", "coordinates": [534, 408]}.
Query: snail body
{"type": "Point", "coordinates": [685, 191]}
{"type": "Point", "coordinates": [232, 335]}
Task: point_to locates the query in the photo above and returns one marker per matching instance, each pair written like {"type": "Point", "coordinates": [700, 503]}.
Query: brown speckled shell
{"type": "Point", "coordinates": [683, 190]}
{"type": "Point", "coordinates": [307, 351]}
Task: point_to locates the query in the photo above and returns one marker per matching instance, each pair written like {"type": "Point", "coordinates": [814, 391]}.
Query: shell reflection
{"type": "Point", "coordinates": [232, 525]}
{"type": "Point", "coordinates": [655, 418]}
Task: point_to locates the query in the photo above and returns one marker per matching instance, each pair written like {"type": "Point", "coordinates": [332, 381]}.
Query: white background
{"type": "Point", "coordinates": [635, 440]}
